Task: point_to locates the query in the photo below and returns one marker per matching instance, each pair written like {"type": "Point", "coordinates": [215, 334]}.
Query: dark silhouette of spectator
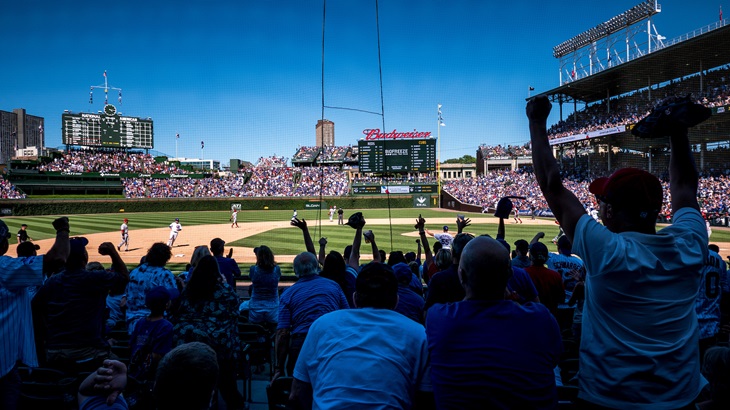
{"type": "Point", "coordinates": [549, 283]}
{"type": "Point", "coordinates": [208, 313]}
{"type": "Point", "coordinates": [299, 306]}
{"type": "Point", "coordinates": [263, 307]}
{"type": "Point", "coordinates": [151, 273]}
{"type": "Point", "coordinates": [228, 266]}
{"type": "Point", "coordinates": [445, 286]}
{"type": "Point", "coordinates": [68, 310]}
{"type": "Point", "coordinates": [186, 379]}
{"type": "Point", "coordinates": [487, 352]}
{"type": "Point", "coordinates": [16, 320]}
{"type": "Point", "coordinates": [410, 303]}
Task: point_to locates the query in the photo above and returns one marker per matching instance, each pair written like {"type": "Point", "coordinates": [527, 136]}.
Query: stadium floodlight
{"type": "Point", "coordinates": [631, 16]}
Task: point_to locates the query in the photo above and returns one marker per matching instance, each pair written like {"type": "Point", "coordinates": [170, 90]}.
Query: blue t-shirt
{"type": "Point", "coordinates": [229, 269]}
{"type": "Point", "coordinates": [410, 303]}
{"type": "Point", "coordinates": [493, 354]}
{"type": "Point", "coordinates": [305, 301]}
{"type": "Point", "coordinates": [364, 358]}
{"type": "Point", "coordinates": [639, 343]}
{"type": "Point", "coordinates": [157, 334]}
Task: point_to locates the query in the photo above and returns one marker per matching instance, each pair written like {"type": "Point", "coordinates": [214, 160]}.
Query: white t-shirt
{"type": "Point", "coordinates": [639, 344]}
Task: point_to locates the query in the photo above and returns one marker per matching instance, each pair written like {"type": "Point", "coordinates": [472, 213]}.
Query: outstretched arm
{"type": "Point", "coordinates": [564, 204]}
{"type": "Point", "coordinates": [354, 259]}
{"type": "Point", "coordinates": [57, 255]}
{"type": "Point", "coordinates": [461, 224]}
{"type": "Point", "coordinates": [118, 265]}
{"type": "Point", "coordinates": [322, 247]}
{"type": "Point", "coordinates": [420, 224]}
{"type": "Point", "coordinates": [302, 224]}
{"type": "Point", "coordinates": [682, 171]}
{"type": "Point", "coordinates": [376, 252]}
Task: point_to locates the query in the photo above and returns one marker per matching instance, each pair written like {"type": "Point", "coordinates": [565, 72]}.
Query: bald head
{"type": "Point", "coordinates": [484, 268]}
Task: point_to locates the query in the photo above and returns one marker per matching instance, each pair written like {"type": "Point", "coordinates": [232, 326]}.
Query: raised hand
{"type": "Point", "coordinates": [538, 108]}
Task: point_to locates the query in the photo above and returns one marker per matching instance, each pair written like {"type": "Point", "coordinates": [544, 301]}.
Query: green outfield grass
{"type": "Point", "coordinates": [39, 227]}
{"type": "Point", "coordinates": [288, 241]}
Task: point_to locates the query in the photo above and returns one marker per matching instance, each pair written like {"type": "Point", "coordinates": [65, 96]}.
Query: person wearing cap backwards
{"type": "Point", "coordinates": [639, 345]}
{"type": "Point", "coordinates": [16, 322]}
{"type": "Point", "coordinates": [68, 309]}
{"type": "Point", "coordinates": [125, 236]}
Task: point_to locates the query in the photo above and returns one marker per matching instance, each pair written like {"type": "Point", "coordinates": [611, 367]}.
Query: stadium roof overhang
{"type": "Point", "coordinates": [688, 57]}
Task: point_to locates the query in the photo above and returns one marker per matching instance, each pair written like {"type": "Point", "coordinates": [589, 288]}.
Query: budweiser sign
{"type": "Point", "coordinates": [375, 134]}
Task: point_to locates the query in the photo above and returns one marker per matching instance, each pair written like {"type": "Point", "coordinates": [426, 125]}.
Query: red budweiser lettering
{"type": "Point", "coordinates": [375, 134]}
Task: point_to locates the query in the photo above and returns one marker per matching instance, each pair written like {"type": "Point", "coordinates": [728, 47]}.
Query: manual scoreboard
{"type": "Point", "coordinates": [107, 129]}
{"type": "Point", "coordinates": [404, 155]}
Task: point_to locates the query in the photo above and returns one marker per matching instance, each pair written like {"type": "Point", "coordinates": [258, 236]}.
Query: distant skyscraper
{"type": "Point", "coordinates": [325, 131]}
{"type": "Point", "coordinates": [19, 130]}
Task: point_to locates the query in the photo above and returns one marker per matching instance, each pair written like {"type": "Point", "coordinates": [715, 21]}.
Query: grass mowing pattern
{"type": "Point", "coordinates": [288, 241]}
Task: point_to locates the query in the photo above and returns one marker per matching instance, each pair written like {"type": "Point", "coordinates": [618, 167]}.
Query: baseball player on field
{"type": "Point", "coordinates": [125, 236]}
{"type": "Point", "coordinates": [175, 228]}
{"type": "Point", "coordinates": [234, 218]}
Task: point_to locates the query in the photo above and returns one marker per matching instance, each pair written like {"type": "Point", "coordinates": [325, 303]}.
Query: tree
{"type": "Point", "coordinates": [466, 159]}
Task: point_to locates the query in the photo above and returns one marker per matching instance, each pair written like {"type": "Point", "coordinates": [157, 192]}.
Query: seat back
{"type": "Point", "coordinates": [278, 393]}
{"type": "Point", "coordinates": [46, 388]}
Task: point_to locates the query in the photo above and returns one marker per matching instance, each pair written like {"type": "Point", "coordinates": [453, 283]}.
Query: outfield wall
{"type": "Point", "coordinates": [25, 207]}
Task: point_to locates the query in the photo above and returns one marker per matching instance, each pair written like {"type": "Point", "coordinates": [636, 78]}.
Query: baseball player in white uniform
{"type": "Point", "coordinates": [175, 228]}
{"type": "Point", "coordinates": [125, 236]}
{"type": "Point", "coordinates": [234, 218]}
{"type": "Point", "coordinates": [332, 213]}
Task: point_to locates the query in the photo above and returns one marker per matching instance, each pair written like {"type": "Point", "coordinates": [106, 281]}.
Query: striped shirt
{"type": "Point", "coordinates": [16, 322]}
{"type": "Point", "coordinates": [305, 301]}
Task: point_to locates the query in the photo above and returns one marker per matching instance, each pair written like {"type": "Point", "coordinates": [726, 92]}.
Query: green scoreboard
{"type": "Point", "coordinates": [107, 129]}
{"type": "Point", "coordinates": [404, 155]}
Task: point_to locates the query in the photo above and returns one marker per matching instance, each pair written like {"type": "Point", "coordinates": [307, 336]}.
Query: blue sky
{"type": "Point", "coordinates": [245, 76]}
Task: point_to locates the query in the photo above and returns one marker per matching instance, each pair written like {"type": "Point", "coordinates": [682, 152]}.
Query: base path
{"type": "Point", "coordinates": [191, 236]}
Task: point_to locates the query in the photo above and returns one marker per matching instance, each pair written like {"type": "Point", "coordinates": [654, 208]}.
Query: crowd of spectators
{"type": "Point", "coordinates": [306, 154]}
{"type": "Point", "coordinates": [271, 162]}
{"type": "Point", "coordinates": [630, 109]}
{"type": "Point", "coordinates": [254, 182]}
{"type": "Point", "coordinates": [8, 190]}
{"type": "Point", "coordinates": [510, 151]}
{"type": "Point", "coordinates": [486, 191]}
{"type": "Point", "coordinates": [333, 154]}
{"type": "Point", "coordinates": [98, 160]}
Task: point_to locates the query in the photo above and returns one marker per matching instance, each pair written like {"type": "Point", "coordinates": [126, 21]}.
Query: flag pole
{"type": "Point", "coordinates": [438, 157]}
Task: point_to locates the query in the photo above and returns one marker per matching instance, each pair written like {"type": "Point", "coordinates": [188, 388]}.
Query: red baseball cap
{"type": "Point", "coordinates": [631, 188]}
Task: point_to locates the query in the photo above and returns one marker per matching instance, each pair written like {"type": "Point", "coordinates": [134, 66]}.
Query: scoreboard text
{"type": "Point", "coordinates": [413, 155]}
{"type": "Point", "coordinates": [102, 130]}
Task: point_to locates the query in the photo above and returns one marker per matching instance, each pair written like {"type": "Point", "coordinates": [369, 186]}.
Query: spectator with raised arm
{"type": "Point", "coordinates": [634, 272]}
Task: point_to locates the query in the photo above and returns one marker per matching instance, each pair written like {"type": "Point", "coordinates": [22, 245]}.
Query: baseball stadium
{"type": "Point", "coordinates": [115, 186]}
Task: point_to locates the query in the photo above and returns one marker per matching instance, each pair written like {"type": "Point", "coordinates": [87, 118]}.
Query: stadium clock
{"type": "Point", "coordinates": [110, 109]}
